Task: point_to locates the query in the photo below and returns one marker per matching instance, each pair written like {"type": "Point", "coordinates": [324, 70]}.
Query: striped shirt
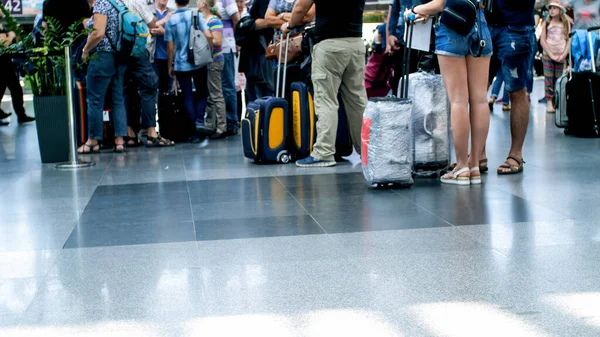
{"type": "Point", "coordinates": [215, 25]}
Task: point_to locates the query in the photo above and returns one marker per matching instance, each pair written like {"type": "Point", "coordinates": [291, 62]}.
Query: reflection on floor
{"type": "Point", "coordinates": [197, 241]}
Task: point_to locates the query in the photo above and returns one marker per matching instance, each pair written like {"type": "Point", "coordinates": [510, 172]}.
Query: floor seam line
{"type": "Point", "coordinates": [298, 202]}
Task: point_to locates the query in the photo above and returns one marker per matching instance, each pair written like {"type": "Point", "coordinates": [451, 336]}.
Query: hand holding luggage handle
{"type": "Point", "coordinates": [279, 90]}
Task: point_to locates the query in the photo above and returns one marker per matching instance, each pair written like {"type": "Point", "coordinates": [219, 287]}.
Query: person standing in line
{"type": "Point", "coordinates": [512, 26]}
{"type": "Point", "coordinates": [142, 71]}
{"type": "Point", "coordinates": [189, 76]}
{"type": "Point", "coordinates": [555, 41]}
{"type": "Point", "coordinates": [230, 18]}
{"type": "Point", "coordinates": [338, 64]}
{"type": "Point", "coordinates": [464, 62]}
{"type": "Point", "coordinates": [216, 118]}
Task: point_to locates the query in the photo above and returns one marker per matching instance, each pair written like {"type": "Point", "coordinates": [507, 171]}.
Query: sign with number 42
{"type": "Point", "coordinates": [14, 6]}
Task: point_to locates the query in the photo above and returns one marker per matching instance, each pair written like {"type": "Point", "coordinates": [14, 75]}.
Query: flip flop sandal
{"type": "Point", "coordinates": [514, 169]}
{"type": "Point", "coordinates": [455, 179]}
{"type": "Point", "coordinates": [90, 149]}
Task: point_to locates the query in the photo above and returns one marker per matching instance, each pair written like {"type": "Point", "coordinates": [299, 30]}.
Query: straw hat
{"type": "Point", "coordinates": [557, 4]}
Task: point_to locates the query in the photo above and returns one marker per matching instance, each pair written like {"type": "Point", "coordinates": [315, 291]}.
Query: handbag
{"type": "Point", "coordinates": [294, 49]}
{"type": "Point", "coordinates": [460, 15]}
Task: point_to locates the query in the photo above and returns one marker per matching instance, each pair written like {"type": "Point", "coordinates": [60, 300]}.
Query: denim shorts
{"type": "Point", "coordinates": [513, 50]}
{"type": "Point", "coordinates": [450, 43]}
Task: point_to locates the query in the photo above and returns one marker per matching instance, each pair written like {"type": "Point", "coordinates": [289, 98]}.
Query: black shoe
{"type": "Point", "coordinates": [4, 115]}
{"type": "Point", "coordinates": [542, 100]}
{"type": "Point", "coordinates": [232, 132]}
{"type": "Point", "coordinates": [25, 119]}
{"type": "Point", "coordinates": [3, 123]}
{"type": "Point", "coordinates": [218, 135]}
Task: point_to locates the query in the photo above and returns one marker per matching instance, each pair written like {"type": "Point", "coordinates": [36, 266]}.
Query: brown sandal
{"type": "Point", "coordinates": [159, 141]}
{"type": "Point", "coordinates": [514, 169]}
{"type": "Point", "coordinates": [483, 168]}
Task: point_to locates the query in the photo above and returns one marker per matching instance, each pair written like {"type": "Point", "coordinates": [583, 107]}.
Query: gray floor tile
{"type": "Point", "coordinates": [26, 264]}
{"type": "Point", "coordinates": [528, 236]}
{"type": "Point", "coordinates": [269, 250]}
{"type": "Point", "coordinates": [84, 262]}
{"type": "Point", "coordinates": [28, 232]}
{"type": "Point", "coordinates": [247, 209]}
{"type": "Point", "coordinates": [157, 230]}
{"type": "Point", "coordinates": [9, 323]}
{"type": "Point", "coordinates": [16, 294]}
{"type": "Point", "coordinates": [402, 242]}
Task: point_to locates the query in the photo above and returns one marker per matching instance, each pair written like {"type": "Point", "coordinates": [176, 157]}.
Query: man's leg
{"type": "Point", "coordinates": [230, 94]}
{"type": "Point", "coordinates": [330, 60]}
{"type": "Point", "coordinates": [3, 114]}
{"type": "Point", "coordinates": [514, 52]}
{"type": "Point", "coordinates": [354, 94]}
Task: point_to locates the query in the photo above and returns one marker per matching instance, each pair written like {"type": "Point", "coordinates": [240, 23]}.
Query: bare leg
{"type": "Point", "coordinates": [454, 72]}
{"type": "Point", "coordinates": [480, 116]}
{"type": "Point", "coordinates": [519, 121]}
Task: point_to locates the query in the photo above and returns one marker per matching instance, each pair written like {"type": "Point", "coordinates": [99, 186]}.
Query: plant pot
{"type": "Point", "coordinates": [52, 121]}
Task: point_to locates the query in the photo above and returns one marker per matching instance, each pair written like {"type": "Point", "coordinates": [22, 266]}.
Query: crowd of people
{"type": "Point", "coordinates": [503, 42]}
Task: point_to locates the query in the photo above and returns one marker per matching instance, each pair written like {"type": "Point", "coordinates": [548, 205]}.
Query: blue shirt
{"type": "Point", "coordinates": [177, 29]}
{"type": "Point", "coordinates": [396, 23]}
{"type": "Point", "coordinates": [161, 44]}
{"type": "Point", "coordinates": [512, 13]}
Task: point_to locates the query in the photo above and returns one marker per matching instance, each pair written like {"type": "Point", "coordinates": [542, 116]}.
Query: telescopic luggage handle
{"type": "Point", "coordinates": [410, 25]}
{"type": "Point", "coordinates": [592, 51]}
{"type": "Point", "coordinates": [279, 90]}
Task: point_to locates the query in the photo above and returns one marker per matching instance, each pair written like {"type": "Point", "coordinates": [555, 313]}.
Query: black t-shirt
{"type": "Point", "coordinates": [66, 16]}
{"type": "Point", "coordinates": [338, 19]}
{"type": "Point", "coordinates": [512, 13]}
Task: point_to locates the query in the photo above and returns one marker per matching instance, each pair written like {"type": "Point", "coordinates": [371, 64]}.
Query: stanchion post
{"type": "Point", "coordinates": [73, 162]}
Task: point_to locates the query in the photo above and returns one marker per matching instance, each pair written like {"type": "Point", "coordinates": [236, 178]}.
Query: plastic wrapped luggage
{"type": "Point", "coordinates": [430, 121]}
{"type": "Point", "coordinates": [387, 142]}
{"type": "Point", "coordinates": [266, 124]}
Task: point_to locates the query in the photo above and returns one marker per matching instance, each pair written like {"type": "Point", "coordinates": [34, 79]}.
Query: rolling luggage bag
{"type": "Point", "coordinates": [387, 138]}
{"type": "Point", "coordinates": [583, 99]}
{"type": "Point", "coordinates": [561, 120]}
{"type": "Point", "coordinates": [304, 133]}
{"type": "Point", "coordinates": [265, 126]}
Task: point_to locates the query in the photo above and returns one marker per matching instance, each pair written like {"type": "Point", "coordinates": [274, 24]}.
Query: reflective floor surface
{"type": "Point", "coordinates": [197, 241]}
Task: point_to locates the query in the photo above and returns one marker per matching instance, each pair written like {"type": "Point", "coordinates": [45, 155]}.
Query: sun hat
{"type": "Point", "coordinates": [557, 4]}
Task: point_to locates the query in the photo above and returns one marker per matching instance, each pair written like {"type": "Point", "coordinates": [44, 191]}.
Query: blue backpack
{"type": "Point", "coordinates": [133, 33]}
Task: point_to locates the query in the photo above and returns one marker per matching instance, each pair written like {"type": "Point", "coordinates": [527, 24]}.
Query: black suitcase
{"type": "Point", "coordinates": [343, 141]}
{"type": "Point", "coordinates": [583, 97]}
{"type": "Point", "coordinates": [265, 126]}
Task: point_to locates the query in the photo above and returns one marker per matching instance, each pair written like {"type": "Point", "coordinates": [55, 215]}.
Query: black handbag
{"type": "Point", "coordinates": [460, 15]}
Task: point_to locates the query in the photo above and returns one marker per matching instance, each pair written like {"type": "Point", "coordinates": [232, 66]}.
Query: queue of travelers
{"type": "Point", "coordinates": [502, 43]}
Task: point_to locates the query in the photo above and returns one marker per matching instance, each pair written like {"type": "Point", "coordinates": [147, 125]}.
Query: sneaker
{"type": "Point", "coordinates": [232, 132]}
{"type": "Point", "coordinates": [218, 135]}
{"type": "Point", "coordinates": [310, 161]}
{"type": "Point", "coordinates": [542, 100]}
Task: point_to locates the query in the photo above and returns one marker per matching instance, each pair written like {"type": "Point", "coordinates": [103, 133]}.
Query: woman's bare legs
{"type": "Point", "coordinates": [477, 73]}
{"type": "Point", "coordinates": [454, 73]}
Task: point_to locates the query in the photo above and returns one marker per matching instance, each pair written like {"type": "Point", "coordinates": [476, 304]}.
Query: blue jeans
{"type": "Point", "coordinates": [530, 67]}
{"type": "Point", "coordinates": [498, 85]}
{"type": "Point", "coordinates": [195, 105]}
{"type": "Point", "coordinates": [146, 80]}
{"type": "Point", "coordinates": [105, 76]}
{"type": "Point", "coordinates": [229, 91]}
{"type": "Point", "coordinates": [513, 46]}
{"type": "Point", "coordinates": [450, 43]}
{"type": "Point", "coordinates": [258, 90]}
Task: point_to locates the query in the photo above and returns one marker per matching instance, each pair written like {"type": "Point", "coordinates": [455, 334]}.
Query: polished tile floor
{"type": "Point", "coordinates": [196, 241]}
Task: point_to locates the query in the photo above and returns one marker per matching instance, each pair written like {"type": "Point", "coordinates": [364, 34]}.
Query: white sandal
{"type": "Point", "coordinates": [475, 180]}
{"type": "Point", "coordinates": [455, 179]}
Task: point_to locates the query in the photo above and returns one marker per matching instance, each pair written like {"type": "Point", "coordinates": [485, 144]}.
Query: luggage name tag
{"type": "Point", "coordinates": [105, 115]}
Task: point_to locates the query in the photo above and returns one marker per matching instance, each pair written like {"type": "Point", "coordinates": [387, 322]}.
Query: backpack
{"type": "Point", "coordinates": [133, 33]}
{"type": "Point", "coordinates": [200, 51]}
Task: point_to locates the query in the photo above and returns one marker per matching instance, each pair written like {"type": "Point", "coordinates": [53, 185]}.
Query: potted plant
{"type": "Point", "coordinates": [44, 69]}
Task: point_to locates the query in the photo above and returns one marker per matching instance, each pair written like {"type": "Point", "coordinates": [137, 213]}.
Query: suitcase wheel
{"type": "Point", "coordinates": [284, 157]}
